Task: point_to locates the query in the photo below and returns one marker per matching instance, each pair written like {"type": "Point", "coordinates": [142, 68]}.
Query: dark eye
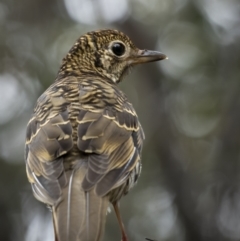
{"type": "Point", "coordinates": [118, 49]}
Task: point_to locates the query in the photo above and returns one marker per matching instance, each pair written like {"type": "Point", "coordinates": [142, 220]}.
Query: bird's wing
{"type": "Point", "coordinates": [49, 137]}
{"type": "Point", "coordinates": [112, 138]}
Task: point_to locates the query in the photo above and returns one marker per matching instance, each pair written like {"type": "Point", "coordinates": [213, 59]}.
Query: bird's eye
{"type": "Point", "coordinates": [118, 49]}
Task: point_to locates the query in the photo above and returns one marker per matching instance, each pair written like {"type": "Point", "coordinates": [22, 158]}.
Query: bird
{"type": "Point", "coordinates": [84, 139]}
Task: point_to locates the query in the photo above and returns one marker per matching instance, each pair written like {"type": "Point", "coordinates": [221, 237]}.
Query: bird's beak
{"type": "Point", "coordinates": [145, 56]}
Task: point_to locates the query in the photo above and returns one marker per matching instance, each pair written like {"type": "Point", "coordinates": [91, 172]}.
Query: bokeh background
{"type": "Point", "coordinates": [189, 106]}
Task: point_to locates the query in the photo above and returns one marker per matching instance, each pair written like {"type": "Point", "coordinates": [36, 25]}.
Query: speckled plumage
{"type": "Point", "coordinates": [84, 140]}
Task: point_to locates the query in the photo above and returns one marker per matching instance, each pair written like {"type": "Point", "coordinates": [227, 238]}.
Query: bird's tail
{"type": "Point", "coordinates": [81, 215]}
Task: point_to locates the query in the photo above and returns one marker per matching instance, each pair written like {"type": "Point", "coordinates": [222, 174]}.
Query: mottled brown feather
{"type": "Point", "coordinates": [84, 140]}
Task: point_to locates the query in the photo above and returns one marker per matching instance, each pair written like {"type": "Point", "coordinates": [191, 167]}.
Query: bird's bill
{"type": "Point", "coordinates": [145, 56]}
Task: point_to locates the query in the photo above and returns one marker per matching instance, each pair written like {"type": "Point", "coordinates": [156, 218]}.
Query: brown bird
{"type": "Point", "coordinates": [84, 140]}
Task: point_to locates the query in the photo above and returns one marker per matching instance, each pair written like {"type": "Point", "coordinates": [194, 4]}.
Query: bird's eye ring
{"type": "Point", "coordinates": [118, 49]}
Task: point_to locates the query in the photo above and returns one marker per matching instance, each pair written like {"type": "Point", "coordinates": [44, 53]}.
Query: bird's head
{"type": "Point", "coordinates": [108, 53]}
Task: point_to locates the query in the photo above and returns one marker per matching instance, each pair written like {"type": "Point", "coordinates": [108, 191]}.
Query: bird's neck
{"type": "Point", "coordinates": [74, 65]}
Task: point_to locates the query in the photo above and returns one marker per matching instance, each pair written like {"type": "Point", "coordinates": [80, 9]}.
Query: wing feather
{"type": "Point", "coordinates": [49, 137]}
{"type": "Point", "coordinates": [113, 140]}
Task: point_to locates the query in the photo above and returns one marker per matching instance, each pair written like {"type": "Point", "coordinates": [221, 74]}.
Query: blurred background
{"type": "Point", "coordinates": [189, 106]}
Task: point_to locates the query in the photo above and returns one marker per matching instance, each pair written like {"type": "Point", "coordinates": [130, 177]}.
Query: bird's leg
{"type": "Point", "coordinates": [54, 226]}
{"type": "Point", "coordinates": [117, 211]}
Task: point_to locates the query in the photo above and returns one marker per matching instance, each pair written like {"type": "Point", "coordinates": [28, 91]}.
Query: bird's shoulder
{"type": "Point", "coordinates": [55, 99]}
{"type": "Point", "coordinates": [88, 92]}
{"type": "Point", "coordinates": [99, 96]}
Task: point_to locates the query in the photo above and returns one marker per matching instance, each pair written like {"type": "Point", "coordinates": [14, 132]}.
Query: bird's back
{"type": "Point", "coordinates": [84, 135]}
